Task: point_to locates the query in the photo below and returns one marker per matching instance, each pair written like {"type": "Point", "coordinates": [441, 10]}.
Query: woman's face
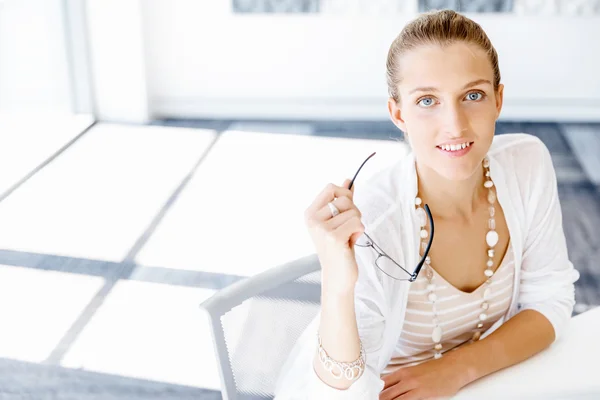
{"type": "Point", "coordinates": [447, 97]}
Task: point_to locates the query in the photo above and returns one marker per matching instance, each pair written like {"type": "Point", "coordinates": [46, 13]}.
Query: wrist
{"type": "Point", "coordinates": [467, 374]}
{"type": "Point", "coordinates": [463, 369]}
{"type": "Point", "coordinates": [334, 294]}
{"type": "Point", "coordinates": [335, 297]}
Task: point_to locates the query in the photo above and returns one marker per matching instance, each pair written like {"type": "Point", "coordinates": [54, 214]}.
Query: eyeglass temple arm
{"type": "Point", "coordinates": [359, 168]}
{"type": "Point", "coordinates": [426, 252]}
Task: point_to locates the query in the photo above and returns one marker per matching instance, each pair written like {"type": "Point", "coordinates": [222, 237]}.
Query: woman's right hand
{"type": "Point", "coordinates": [334, 237]}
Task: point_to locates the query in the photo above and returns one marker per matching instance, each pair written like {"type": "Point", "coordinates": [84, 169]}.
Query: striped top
{"type": "Point", "coordinates": [458, 314]}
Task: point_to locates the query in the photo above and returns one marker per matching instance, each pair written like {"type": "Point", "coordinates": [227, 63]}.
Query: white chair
{"type": "Point", "coordinates": [255, 323]}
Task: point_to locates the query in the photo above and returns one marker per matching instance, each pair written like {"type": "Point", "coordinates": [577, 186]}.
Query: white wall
{"type": "Point", "coordinates": [117, 60]}
{"type": "Point", "coordinates": [34, 74]}
{"type": "Point", "coordinates": [203, 61]}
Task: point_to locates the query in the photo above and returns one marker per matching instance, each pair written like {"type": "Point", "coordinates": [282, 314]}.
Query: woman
{"type": "Point", "coordinates": [496, 286]}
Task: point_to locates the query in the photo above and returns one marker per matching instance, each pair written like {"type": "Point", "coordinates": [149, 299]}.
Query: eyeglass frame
{"type": "Point", "coordinates": [382, 253]}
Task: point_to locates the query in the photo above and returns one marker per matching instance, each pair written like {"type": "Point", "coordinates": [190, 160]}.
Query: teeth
{"type": "Point", "coordinates": [454, 147]}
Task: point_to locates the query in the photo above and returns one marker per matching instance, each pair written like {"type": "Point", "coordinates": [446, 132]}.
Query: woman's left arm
{"type": "Point", "coordinates": [546, 299]}
{"type": "Point", "coordinates": [521, 337]}
{"type": "Point", "coordinates": [524, 335]}
{"type": "Point", "coordinates": [547, 291]}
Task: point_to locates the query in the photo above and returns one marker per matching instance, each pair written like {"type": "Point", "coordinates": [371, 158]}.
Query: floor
{"type": "Point", "coordinates": [111, 239]}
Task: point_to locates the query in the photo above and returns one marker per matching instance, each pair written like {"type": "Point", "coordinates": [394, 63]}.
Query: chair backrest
{"type": "Point", "coordinates": [255, 323]}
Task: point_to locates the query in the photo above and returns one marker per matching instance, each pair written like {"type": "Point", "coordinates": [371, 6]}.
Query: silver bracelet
{"type": "Point", "coordinates": [349, 370]}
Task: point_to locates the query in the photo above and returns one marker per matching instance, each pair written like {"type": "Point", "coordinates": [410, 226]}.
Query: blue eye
{"type": "Point", "coordinates": [425, 102]}
{"type": "Point", "coordinates": [474, 96]}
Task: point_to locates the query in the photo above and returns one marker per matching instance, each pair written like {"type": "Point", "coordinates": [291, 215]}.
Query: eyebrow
{"type": "Point", "coordinates": [433, 89]}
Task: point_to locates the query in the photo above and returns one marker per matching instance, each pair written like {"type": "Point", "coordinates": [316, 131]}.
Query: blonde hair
{"type": "Point", "coordinates": [443, 28]}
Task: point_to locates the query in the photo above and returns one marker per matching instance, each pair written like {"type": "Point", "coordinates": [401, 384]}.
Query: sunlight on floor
{"type": "Point", "coordinates": [99, 197]}
{"type": "Point", "coordinates": [242, 213]}
{"type": "Point", "coordinates": [29, 139]}
{"type": "Point", "coordinates": [150, 331]}
{"type": "Point", "coordinates": [38, 307]}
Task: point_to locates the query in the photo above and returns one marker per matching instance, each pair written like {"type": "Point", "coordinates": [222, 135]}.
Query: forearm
{"type": "Point", "coordinates": [521, 337]}
{"type": "Point", "coordinates": [339, 334]}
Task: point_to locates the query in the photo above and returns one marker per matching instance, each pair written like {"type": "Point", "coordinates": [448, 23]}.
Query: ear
{"type": "Point", "coordinates": [396, 114]}
{"type": "Point", "coordinates": [499, 99]}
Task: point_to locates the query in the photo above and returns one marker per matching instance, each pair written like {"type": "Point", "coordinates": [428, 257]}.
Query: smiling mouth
{"type": "Point", "coordinates": [455, 147]}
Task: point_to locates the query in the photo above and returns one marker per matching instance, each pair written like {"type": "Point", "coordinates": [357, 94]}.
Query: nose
{"type": "Point", "coordinates": [455, 121]}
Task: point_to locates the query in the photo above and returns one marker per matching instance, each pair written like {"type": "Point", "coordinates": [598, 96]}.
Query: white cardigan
{"type": "Point", "coordinates": [526, 187]}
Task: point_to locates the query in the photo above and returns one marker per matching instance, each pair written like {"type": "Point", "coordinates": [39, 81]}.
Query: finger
{"type": "Point", "coordinates": [394, 377]}
{"type": "Point", "coordinates": [391, 393]}
{"type": "Point", "coordinates": [330, 192]}
{"type": "Point", "coordinates": [390, 379]}
{"type": "Point", "coordinates": [395, 390]}
{"type": "Point", "coordinates": [354, 238]}
{"type": "Point", "coordinates": [350, 226]}
{"type": "Point", "coordinates": [337, 221]}
{"type": "Point", "coordinates": [410, 395]}
{"type": "Point", "coordinates": [341, 203]}
{"type": "Point", "coordinates": [347, 183]}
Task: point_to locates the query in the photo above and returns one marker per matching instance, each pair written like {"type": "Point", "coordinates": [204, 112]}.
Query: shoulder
{"type": "Point", "coordinates": [528, 169]}
{"type": "Point", "coordinates": [524, 157]}
{"type": "Point", "coordinates": [519, 150]}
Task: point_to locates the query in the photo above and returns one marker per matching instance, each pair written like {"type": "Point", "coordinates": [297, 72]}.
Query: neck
{"type": "Point", "coordinates": [449, 199]}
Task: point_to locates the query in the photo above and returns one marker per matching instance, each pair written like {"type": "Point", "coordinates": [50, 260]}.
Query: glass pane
{"type": "Point", "coordinates": [481, 6]}
{"type": "Point", "coordinates": [36, 92]}
{"type": "Point", "coordinates": [275, 6]}
{"type": "Point", "coordinates": [34, 73]}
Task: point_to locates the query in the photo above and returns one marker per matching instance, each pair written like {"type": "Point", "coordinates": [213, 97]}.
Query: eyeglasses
{"type": "Point", "coordinates": [384, 262]}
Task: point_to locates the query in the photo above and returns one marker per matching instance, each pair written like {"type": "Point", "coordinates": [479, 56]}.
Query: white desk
{"type": "Point", "coordinates": [569, 369]}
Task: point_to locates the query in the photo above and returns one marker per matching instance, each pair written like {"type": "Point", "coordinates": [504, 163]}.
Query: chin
{"type": "Point", "coordinates": [455, 173]}
{"type": "Point", "coordinates": [459, 169]}
{"type": "Point", "coordinates": [458, 166]}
